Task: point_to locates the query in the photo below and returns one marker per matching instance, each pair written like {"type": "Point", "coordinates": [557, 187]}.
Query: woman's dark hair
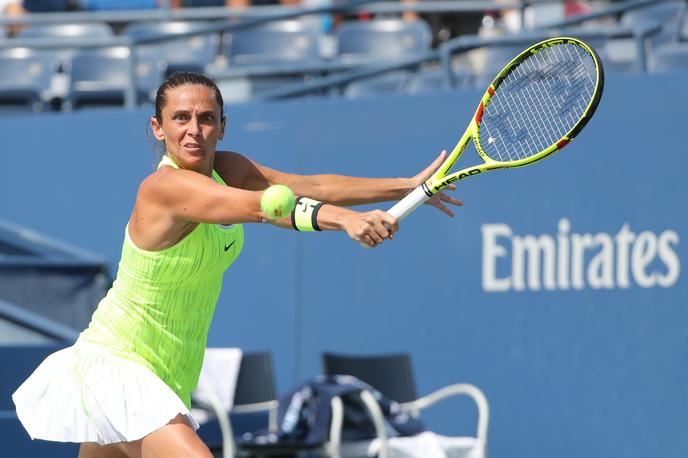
{"type": "Point", "coordinates": [177, 79]}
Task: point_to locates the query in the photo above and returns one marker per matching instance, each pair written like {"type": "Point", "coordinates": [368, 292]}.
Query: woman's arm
{"type": "Point", "coordinates": [334, 189]}
{"type": "Point", "coordinates": [170, 200]}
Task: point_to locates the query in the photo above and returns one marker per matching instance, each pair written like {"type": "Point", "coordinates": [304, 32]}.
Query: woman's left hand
{"type": "Point", "coordinates": [438, 200]}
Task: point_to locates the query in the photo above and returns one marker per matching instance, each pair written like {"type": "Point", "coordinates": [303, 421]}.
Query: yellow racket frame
{"type": "Point", "coordinates": [441, 178]}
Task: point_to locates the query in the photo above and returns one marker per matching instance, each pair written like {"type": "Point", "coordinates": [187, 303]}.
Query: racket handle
{"type": "Point", "coordinates": [407, 205]}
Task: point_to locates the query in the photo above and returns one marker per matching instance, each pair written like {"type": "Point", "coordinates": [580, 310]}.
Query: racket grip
{"type": "Point", "coordinates": [407, 205]}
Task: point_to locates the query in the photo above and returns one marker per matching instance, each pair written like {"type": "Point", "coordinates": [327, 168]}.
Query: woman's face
{"type": "Point", "coordinates": [191, 126]}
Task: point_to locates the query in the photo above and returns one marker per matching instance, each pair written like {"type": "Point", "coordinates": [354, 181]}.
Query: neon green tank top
{"type": "Point", "coordinates": [161, 303]}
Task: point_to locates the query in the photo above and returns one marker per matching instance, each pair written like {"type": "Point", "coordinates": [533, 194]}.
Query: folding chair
{"type": "Point", "coordinates": [25, 79]}
{"type": "Point", "coordinates": [392, 375]}
{"type": "Point", "coordinates": [382, 39]}
{"type": "Point", "coordinates": [99, 78]}
{"type": "Point", "coordinates": [189, 54]}
{"type": "Point", "coordinates": [669, 57]}
{"type": "Point", "coordinates": [255, 407]}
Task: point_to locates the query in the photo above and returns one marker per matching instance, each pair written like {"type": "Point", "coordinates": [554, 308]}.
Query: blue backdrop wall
{"type": "Point", "coordinates": [559, 290]}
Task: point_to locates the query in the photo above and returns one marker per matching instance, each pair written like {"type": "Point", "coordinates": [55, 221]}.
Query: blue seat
{"type": "Point", "coordinates": [260, 84]}
{"type": "Point", "coordinates": [25, 79]}
{"type": "Point", "coordinates": [668, 15]}
{"type": "Point", "coordinates": [274, 42]}
{"type": "Point", "coordinates": [99, 78]}
{"type": "Point", "coordinates": [188, 54]}
{"type": "Point", "coordinates": [382, 38]}
{"type": "Point", "coordinates": [669, 57]}
{"type": "Point", "coordinates": [108, 5]}
{"type": "Point", "coordinates": [278, 48]}
{"type": "Point", "coordinates": [64, 31]}
{"type": "Point", "coordinates": [395, 82]}
{"type": "Point", "coordinates": [434, 80]}
{"type": "Point", "coordinates": [46, 6]}
{"type": "Point", "coordinates": [494, 59]}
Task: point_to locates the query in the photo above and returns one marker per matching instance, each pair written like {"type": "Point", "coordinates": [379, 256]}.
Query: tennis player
{"type": "Point", "coordinates": [123, 389]}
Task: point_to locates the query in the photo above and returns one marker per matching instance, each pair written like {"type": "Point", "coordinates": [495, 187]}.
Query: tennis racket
{"type": "Point", "coordinates": [534, 107]}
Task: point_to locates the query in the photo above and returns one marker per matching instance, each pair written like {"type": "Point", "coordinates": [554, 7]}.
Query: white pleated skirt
{"type": "Point", "coordinates": [85, 394]}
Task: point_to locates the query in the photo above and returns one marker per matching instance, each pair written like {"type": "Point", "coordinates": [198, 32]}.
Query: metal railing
{"type": "Point", "coordinates": [269, 12]}
{"type": "Point", "coordinates": [36, 323]}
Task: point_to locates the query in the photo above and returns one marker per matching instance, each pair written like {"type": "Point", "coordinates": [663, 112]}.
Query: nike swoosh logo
{"type": "Point", "coordinates": [227, 247]}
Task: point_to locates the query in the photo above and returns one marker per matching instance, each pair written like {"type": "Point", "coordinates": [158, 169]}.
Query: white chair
{"type": "Point", "coordinates": [393, 377]}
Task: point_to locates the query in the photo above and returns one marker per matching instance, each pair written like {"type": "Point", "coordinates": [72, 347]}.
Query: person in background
{"type": "Point", "coordinates": [510, 20]}
{"type": "Point", "coordinates": [9, 8]}
{"type": "Point", "coordinates": [230, 3]}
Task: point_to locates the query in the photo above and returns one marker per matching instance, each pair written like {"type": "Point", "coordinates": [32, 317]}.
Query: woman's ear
{"type": "Point", "coordinates": [223, 123]}
{"type": "Point", "coordinates": [157, 129]}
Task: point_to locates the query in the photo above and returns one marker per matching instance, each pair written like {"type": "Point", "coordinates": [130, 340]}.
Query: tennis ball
{"type": "Point", "coordinates": [277, 201]}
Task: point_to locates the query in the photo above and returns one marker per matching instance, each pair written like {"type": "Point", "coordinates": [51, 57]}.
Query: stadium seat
{"type": "Point", "coordinates": [189, 53]}
{"type": "Point", "coordinates": [107, 5]}
{"type": "Point", "coordinates": [63, 31]}
{"type": "Point", "coordinates": [392, 375]}
{"type": "Point", "coordinates": [396, 82]}
{"type": "Point", "coordinates": [669, 57]}
{"type": "Point", "coordinates": [25, 79]}
{"type": "Point", "coordinates": [666, 14]}
{"type": "Point", "coordinates": [99, 77]}
{"type": "Point", "coordinates": [46, 6]}
{"type": "Point", "coordinates": [274, 42]}
{"type": "Point", "coordinates": [494, 58]}
{"type": "Point", "coordinates": [278, 48]}
{"type": "Point", "coordinates": [435, 80]}
{"type": "Point", "coordinates": [382, 39]}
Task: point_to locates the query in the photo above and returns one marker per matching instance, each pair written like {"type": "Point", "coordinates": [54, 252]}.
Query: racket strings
{"type": "Point", "coordinates": [538, 103]}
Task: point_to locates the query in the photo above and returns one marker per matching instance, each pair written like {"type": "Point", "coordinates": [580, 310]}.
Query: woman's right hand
{"type": "Point", "coordinates": [370, 228]}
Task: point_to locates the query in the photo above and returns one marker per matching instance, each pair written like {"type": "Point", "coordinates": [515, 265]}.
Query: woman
{"type": "Point", "coordinates": [123, 389]}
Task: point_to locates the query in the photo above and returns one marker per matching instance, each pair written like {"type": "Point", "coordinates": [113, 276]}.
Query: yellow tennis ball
{"type": "Point", "coordinates": [277, 201]}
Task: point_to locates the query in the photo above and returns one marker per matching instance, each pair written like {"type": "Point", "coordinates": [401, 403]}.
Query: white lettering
{"type": "Point", "coordinates": [644, 251]}
{"type": "Point", "coordinates": [577, 260]}
{"type": "Point", "coordinates": [491, 251]}
{"type": "Point", "coordinates": [669, 258]}
{"type": "Point", "coordinates": [579, 243]}
{"type": "Point", "coordinates": [623, 239]}
{"type": "Point", "coordinates": [534, 246]}
{"type": "Point", "coordinates": [563, 254]}
{"type": "Point", "coordinates": [601, 267]}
